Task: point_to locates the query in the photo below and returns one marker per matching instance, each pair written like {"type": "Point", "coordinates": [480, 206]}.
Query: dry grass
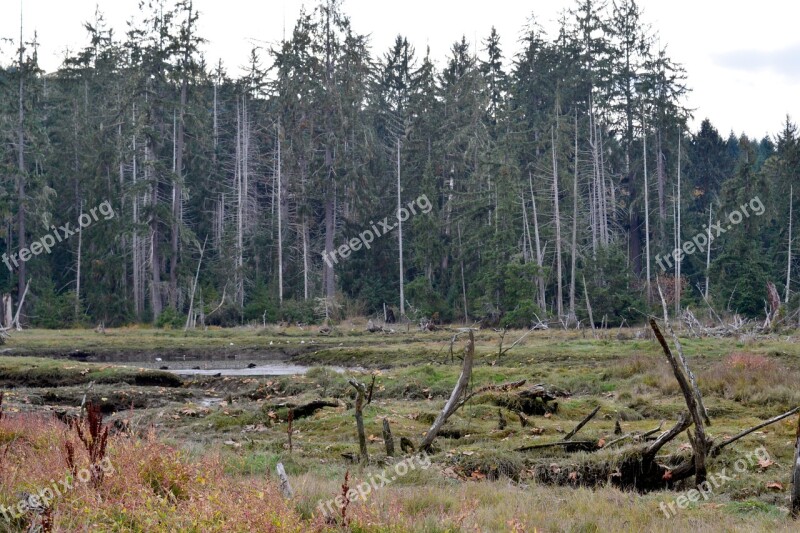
{"type": "Point", "coordinates": [153, 487]}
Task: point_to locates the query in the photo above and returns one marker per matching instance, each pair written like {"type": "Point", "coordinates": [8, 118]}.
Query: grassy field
{"type": "Point", "coordinates": [233, 431]}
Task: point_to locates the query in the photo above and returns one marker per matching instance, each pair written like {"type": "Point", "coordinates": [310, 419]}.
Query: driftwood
{"type": "Point", "coordinates": [361, 391]}
{"type": "Point", "coordinates": [453, 403]}
{"type": "Point", "coordinates": [582, 423]}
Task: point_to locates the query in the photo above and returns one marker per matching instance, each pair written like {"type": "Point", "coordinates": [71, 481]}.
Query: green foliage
{"type": "Point", "coordinates": [52, 310]}
{"type": "Point", "coordinates": [610, 289]}
{"type": "Point", "coordinates": [170, 319]}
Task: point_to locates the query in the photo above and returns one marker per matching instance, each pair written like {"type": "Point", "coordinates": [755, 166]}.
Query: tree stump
{"type": "Point", "coordinates": [388, 439]}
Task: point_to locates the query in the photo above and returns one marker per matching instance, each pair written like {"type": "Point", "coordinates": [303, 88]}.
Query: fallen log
{"type": "Point", "coordinates": [568, 445]}
{"type": "Point", "coordinates": [307, 409]}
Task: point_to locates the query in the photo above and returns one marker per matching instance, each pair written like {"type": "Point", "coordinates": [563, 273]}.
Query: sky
{"type": "Point", "coordinates": [742, 58]}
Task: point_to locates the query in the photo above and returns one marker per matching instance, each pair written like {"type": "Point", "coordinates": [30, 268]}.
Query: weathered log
{"type": "Point", "coordinates": [569, 445]}
{"type": "Point", "coordinates": [361, 391]}
{"type": "Point", "coordinates": [505, 387]}
{"type": "Point", "coordinates": [306, 409]}
{"type": "Point", "coordinates": [388, 439]}
{"type": "Point", "coordinates": [582, 423]}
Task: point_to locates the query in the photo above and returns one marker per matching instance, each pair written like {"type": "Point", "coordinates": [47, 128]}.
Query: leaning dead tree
{"type": "Point", "coordinates": [459, 397]}
{"type": "Point", "coordinates": [453, 403]}
{"type": "Point", "coordinates": [700, 443]}
{"type": "Point", "coordinates": [639, 468]}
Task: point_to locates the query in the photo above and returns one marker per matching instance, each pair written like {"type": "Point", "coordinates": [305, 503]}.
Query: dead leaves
{"type": "Point", "coordinates": [775, 485]}
{"type": "Point", "coordinates": [765, 463]}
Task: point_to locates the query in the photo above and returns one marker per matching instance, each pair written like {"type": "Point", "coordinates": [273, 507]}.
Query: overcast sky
{"type": "Point", "coordinates": [742, 58]}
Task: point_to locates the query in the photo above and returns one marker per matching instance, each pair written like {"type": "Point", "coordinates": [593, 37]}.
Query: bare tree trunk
{"type": "Point", "coordinates": [189, 317]}
{"type": "Point", "coordinates": [678, 241]}
{"type": "Point", "coordinates": [21, 239]}
{"type": "Point", "coordinates": [280, 223]}
{"type": "Point", "coordinates": [588, 305]}
{"type": "Point", "coordinates": [361, 392]}
{"type": "Point", "coordinates": [20, 305]}
{"type": "Point", "coordinates": [557, 215]}
{"type": "Point", "coordinates": [388, 439]}
{"type": "Point", "coordinates": [789, 260]}
{"type": "Point", "coordinates": [574, 244]}
{"type": "Point", "coordinates": [177, 192]}
{"type": "Point", "coordinates": [305, 259]}
{"type": "Point", "coordinates": [330, 288]}
{"type": "Point", "coordinates": [453, 403]}
{"type": "Point", "coordinates": [463, 282]}
{"type": "Point", "coordinates": [136, 256]}
{"type": "Point", "coordinates": [78, 273]}
{"type": "Point", "coordinates": [155, 261]}
{"type": "Point", "coordinates": [239, 205]}
{"type": "Point", "coordinates": [708, 251]}
{"type": "Point", "coordinates": [539, 255]}
{"type": "Point", "coordinates": [662, 202]}
{"type": "Point", "coordinates": [527, 245]}
{"type": "Point", "coordinates": [646, 205]}
{"type": "Point", "coordinates": [400, 236]}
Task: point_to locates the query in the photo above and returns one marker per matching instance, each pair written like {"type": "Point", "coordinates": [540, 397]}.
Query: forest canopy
{"type": "Point", "coordinates": [558, 169]}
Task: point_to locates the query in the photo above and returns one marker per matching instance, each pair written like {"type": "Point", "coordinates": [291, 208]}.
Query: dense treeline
{"type": "Point", "coordinates": [545, 177]}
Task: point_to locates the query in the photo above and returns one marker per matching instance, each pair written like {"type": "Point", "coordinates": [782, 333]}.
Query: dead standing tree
{"type": "Point", "coordinates": [361, 392]}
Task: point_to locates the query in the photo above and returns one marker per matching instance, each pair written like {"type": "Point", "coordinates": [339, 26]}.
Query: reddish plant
{"type": "Point", "coordinates": [94, 438]}
{"type": "Point", "coordinates": [70, 449]}
{"type": "Point", "coordinates": [289, 431]}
